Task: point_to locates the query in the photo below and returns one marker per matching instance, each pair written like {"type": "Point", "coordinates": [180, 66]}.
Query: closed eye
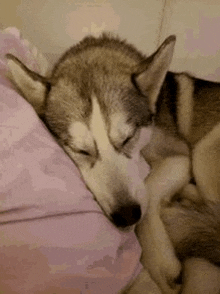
{"type": "Point", "coordinates": [126, 141]}
{"type": "Point", "coordinates": [129, 137]}
{"type": "Point", "coordinates": [84, 152]}
{"type": "Point", "coordinates": [80, 151]}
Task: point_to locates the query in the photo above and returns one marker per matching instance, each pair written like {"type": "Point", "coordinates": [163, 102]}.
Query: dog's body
{"type": "Point", "coordinates": [99, 103]}
{"type": "Point", "coordinates": [193, 225]}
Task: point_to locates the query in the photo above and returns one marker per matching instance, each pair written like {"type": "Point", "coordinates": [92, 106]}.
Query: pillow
{"type": "Point", "coordinates": [54, 236]}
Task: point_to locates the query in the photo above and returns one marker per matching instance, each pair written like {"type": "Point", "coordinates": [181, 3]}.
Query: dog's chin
{"type": "Point", "coordinates": [124, 229]}
{"type": "Point", "coordinates": [127, 229]}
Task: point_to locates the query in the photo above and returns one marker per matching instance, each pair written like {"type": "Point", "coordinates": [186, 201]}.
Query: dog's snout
{"type": "Point", "coordinates": [127, 215]}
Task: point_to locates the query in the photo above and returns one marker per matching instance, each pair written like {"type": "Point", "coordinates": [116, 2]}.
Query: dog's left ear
{"type": "Point", "coordinates": [31, 85]}
{"type": "Point", "coordinates": [150, 74]}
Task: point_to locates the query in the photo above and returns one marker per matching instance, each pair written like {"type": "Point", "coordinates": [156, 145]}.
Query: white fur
{"type": "Point", "coordinates": [120, 130]}
{"type": "Point", "coordinates": [81, 136]}
{"type": "Point", "coordinates": [108, 172]}
{"type": "Point", "coordinates": [158, 252]}
{"type": "Point", "coordinates": [206, 165]}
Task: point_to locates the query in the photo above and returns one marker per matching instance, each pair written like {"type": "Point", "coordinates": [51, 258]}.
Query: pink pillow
{"type": "Point", "coordinates": [55, 236]}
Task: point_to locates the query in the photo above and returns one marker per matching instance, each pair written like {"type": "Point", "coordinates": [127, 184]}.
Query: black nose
{"type": "Point", "coordinates": [126, 216]}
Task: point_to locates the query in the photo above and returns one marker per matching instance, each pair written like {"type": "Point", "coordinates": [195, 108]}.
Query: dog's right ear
{"type": "Point", "coordinates": [31, 85]}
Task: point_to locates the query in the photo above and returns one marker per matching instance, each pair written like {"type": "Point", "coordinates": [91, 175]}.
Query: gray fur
{"type": "Point", "coordinates": [103, 66]}
{"type": "Point", "coordinates": [194, 228]}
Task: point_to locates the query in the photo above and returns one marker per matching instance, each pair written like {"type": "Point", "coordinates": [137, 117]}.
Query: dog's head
{"type": "Point", "coordinates": [98, 103]}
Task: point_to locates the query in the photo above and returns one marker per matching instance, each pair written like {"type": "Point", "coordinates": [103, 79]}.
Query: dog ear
{"type": "Point", "coordinates": [151, 73]}
{"type": "Point", "coordinates": [31, 85]}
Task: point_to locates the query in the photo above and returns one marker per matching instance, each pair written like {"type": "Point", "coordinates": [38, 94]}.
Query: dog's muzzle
{"type": "Point", "coordinates": [127, 215]}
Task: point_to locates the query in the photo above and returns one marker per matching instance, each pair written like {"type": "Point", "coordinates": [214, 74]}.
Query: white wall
{"type": "Point", "coordinates": [197, 26]}
{"type": "Point", "coordinates": [54, 25]}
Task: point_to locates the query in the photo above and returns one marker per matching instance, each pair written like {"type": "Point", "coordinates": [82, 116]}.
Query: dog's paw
{"type": "Point", "coordinates": [158, 254]}
{"type": "Point", "coordinates": [167, 281]}
{"type": "Point", "coordinates": [164, 268]}
{"type": "Point", "coordinates": [142, 284]}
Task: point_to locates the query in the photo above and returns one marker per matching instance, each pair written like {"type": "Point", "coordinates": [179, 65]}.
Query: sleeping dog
{"type": "Point", "coordinates": [101, 101]}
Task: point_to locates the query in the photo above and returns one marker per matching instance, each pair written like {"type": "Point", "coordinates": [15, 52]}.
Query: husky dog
{"type": "Point", "coordinates": [101, 101]}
